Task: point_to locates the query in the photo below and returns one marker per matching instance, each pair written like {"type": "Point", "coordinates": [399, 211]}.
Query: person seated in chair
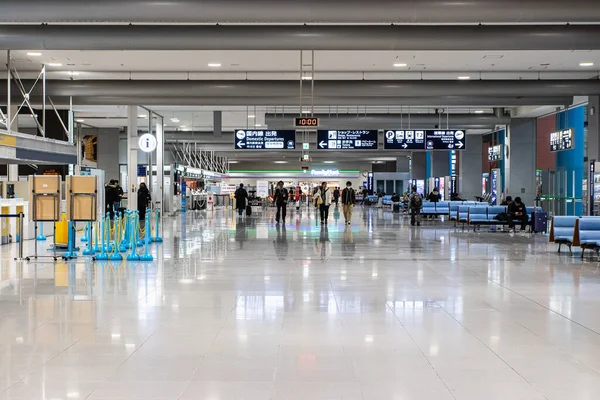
{"type": "Point", "coordinates": [517, 212]}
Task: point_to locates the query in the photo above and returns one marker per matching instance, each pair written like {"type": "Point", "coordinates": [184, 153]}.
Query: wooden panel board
{"type": "Point", "coordinates": [45, 196]}
{"type": "Point", "coordinates": [81, 198]}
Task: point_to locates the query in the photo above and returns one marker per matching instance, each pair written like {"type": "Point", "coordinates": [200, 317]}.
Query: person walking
{"type": "Point", "coordinates": [280, 199]}
{"type": "Point", "coordinates": [336, 195]}
{"type": "Point", "coordinates": [365, 196]}
{"type": "Point", "coordinates": [348, 201]}
{"type": "Point", "coordinates": [241, 196]}
{"type": "Point", "coordinates": [415, 204]}
{"type": "Point", "coordinates": [143, 199]}
{"type": "Point", "coordinates": [324, 197]}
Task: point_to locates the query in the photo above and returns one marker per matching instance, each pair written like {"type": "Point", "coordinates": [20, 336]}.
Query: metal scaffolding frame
{"type": "Point", "coordinates": [8, 119]}
{"type": "Point", "coordinates": [187, 153]}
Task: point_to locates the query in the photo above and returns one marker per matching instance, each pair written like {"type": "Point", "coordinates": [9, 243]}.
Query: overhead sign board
{"type": "Point", "coordinates": [561, 140]}
{"type": "Point", "coordinates": [347, 139]}
{"type": "Point", "coordinates": [404, 140]}
{"type": "Point", "coordinates": [306, 122]}
{"type": "Point", "coordinates": [495, 153]}
{"type": "Point", "coordinates": [265, 139]}
{"type": "Point", "coordinates": [424, 139]}
{"type": "Point", "coordinates": [444, 140]}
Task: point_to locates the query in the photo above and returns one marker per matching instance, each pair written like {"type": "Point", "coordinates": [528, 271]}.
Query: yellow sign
{"type": "Point", "coordinates": [7, 140]}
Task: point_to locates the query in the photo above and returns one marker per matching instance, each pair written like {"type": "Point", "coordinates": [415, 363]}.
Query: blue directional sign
{"type": "Point", "coordinates": [265, 139]}
{"type": "Point", "coordinates": [350, 139]}
{"type": "Point", "coordinates": [424, 139]}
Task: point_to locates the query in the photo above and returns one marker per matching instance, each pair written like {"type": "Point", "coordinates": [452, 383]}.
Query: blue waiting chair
{"type": "Point", "coordinates": [562, 230]}
{"type": "Point", "coordinates": [587, 233]}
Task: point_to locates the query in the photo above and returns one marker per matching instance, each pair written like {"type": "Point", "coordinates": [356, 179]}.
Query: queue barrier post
{"type": "Point", "coordinates": [147, 256]}
{"type": "Point", "coordinates": [115, 255]}
{"type": "Point", "coordinates": [132, 256]}
{"type": "Point", "coordinates": [157, 238]}
{"type": "Point", "coordinates": [41, 236]}
{"type": "Point", "coordinates": [20, 216]}
{"type": "Point", "coordinates": [103, 256]}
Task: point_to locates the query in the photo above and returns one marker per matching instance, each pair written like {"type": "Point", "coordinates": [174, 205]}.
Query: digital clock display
{"type": "Point", "coordinates": [306, 122]}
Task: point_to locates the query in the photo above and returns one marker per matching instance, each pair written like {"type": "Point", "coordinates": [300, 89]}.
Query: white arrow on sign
{"type": "Point", "coordinates": [460, 145]}
{"type": "Point", "coordinates": [404, 146]}
{"type": "Point", "coordinates": [322, 144]}
{"type": "Point", "coordinates": [240, 144]}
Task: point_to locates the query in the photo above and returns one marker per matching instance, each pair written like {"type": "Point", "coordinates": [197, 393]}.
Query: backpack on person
{"type": "Point", "coordinates": [417, 201]}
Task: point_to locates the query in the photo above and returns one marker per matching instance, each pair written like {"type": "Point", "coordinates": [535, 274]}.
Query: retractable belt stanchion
{"type": "Point", "coordinates": [133, 254]}
{"type": "Point", "coordinates": [157, 238]}
{"type": "Point", "coordinates": [20, 217]}
{"type": "Point", "coordinates": [147, 256]}
{"type": "Point", "coordinates": [40, 237]}
{"type": "Point", "coordinates": [103, 256]}
{"type": "Point", "coordinates": [115, 255]}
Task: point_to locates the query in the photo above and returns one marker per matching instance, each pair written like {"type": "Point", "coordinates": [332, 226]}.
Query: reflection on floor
{"type": "Point", "coordinates": [246, 309]}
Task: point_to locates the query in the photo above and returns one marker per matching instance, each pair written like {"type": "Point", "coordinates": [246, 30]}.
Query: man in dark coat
{"type": "Point", "coordinates": [241, 196]}
{"type": "Point", "coordinates": [280, 199]}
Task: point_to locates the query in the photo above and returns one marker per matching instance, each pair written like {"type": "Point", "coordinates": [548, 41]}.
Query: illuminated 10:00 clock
{"type": "Point", "coordinates": [304, 122]}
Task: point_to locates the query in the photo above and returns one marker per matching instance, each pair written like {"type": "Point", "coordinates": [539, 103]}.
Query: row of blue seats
{"type": "Point", "coordinates": [486, 215]}
{"type": "Point", "coordinates": [576, 231]}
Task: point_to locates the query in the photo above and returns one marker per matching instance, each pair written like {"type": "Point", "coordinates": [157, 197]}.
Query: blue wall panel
{"type": "Point", "coordinates": [572, 160]}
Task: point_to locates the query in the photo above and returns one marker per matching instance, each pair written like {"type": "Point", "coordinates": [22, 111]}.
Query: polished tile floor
{"type": "Point", "coordinates": [244, 309]}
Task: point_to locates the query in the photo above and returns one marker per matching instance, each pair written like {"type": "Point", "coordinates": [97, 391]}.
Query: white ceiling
{"type": "Point", "coordinates": [286, 64]}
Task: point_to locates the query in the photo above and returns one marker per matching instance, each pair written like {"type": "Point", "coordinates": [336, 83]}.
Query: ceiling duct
{"type": "Point", "coordinates": [393, 121]}
{"type": "Point", "coordinates": [363, 90]}
{"type": "Point", "coordinates": [288, 11]}
{"type": "Point", "coordinates": [299, 37]}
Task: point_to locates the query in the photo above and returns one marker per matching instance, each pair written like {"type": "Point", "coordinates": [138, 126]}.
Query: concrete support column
{"type": "Point", "coordinates": [593, 136]}
{"type": "Point", "coordinates": [419, 167]}
{"type": "Point", "coordinates": [519, 165]}
{"type": "Point", "coordinates": [440, 164]}
{"type": "Point", "coordinates": [108, 158]}
{"type": "Point", "coordinates": [132, 157]}
{"type": "Point", "coordinates": [160, 166]}
{"type": "Point", "coordinates": [470, 168]}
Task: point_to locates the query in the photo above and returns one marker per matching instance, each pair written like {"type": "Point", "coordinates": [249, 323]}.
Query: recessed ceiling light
{"type": "Point", "coordinates": [182, 126]}
{"type": "Point", "coordinates": [142, 116]}
{"type": "Point", "coordinates": [257, 125]}
{"type": "Point", "coordinates": [233, 162]}
{"type": "Point", "coordinates": [478, 111]}
{"type": "Point", "coordinates": [251, 116]}
{"type": "Point", "coordinates": [72, 73]}
{"type": "Point", "coordinates": [55, 64]}
{"type": "Point", "coordinates": [34, 54]}
{"type": "Point", "coordinates": [174, 119]}
{"type": "Point", "coordinates": [280, 162]}
{"type": "Point", "coordinates": [214, 65]}
{"type": "Point", "coordinates": [586, 64]}
{"type": "Point", "coordinates": [80, 120]}
{"type": "Point", "coordinates": [400, 65]}
{"type": "Point", "coordinates": [306, 111]}
{"type": "Point", "coordinates": [464, 78]}
{"type": "Point", "coordinates": [307, 78]}
{"type": "Point", "coordinates": [328, 162]}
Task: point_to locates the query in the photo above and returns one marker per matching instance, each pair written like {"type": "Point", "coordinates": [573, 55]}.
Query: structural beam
{"type": "Point", "coordinates": [289, 11]}
{"type": "Point", "coordinates": [363, 89]}
{"type": "Point", "coordinates": [300, 37]}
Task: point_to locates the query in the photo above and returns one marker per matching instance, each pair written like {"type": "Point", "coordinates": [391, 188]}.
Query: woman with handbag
{"type": "Point", "coordinates": [323, 201]}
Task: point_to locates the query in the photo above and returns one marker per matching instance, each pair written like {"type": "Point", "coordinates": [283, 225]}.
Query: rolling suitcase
{"type": "Point", "coordinates": [248, 210]}
{"type": "Point", "coordinates": [396, 207]}
{"type": "Point", "coordinates": [540, 222]}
